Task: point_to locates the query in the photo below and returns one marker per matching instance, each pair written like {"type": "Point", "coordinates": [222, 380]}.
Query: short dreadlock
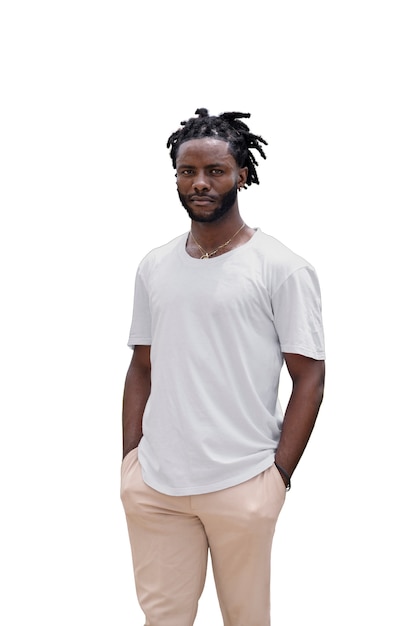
{"type": "Point", "coordinates": [227, 127]}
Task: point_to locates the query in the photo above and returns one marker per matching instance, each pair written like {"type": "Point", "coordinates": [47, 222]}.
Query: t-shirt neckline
{"type": "Point", "coordinates": [216, 259]}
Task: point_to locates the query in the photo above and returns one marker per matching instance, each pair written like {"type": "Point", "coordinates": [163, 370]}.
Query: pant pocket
{"type": "Point", "coordinates": [128, 456]}
{"type": "Point", "coordinates": [277, 486]}
{"type": "Point", "coordinates": [126, 470]}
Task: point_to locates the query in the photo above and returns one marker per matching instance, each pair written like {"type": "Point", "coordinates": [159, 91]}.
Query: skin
{"type": "Point", "coordinates": [206, 175]}
{"type": "Point", "coordinates": [136, 394]}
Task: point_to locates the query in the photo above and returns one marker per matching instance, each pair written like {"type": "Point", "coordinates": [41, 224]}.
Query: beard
{"type": "Point", "coordinates": [227, 200]}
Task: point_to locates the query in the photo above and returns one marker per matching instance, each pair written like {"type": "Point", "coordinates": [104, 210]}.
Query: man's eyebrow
{"type": "Point", "coordinates": [220, 164]}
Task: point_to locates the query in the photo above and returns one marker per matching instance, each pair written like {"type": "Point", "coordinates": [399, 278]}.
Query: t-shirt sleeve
{"type": "Point", "coordinates": [298, 314]}
{"type": "Point", "coordinates": [140, 329]}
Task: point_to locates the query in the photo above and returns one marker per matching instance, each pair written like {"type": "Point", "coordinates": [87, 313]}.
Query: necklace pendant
{"type": "Point", "coordinates": [208, 255]}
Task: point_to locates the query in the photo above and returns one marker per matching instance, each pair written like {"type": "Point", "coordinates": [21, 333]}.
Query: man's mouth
{"type": "Point", "coordinates": [201, 199]}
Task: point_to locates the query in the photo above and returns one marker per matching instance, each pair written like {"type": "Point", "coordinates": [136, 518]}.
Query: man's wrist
{"type": "Point", "coordinates": [285, 476]}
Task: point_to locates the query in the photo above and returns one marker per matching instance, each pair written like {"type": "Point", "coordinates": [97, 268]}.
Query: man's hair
{"type": "Point", "coordinates": [227, 127]}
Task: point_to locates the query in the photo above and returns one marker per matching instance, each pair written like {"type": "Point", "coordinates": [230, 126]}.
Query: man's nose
{"type": "Point", "coordinates": [201, 182]}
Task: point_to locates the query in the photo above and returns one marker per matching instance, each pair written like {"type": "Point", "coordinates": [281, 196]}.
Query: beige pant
{"type": "Point", "coordinates": [170, 537]}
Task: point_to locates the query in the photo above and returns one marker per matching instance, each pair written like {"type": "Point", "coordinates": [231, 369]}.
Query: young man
{"type": "Point", "coordinates": [208, 454]}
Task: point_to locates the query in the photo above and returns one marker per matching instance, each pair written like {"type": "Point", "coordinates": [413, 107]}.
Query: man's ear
{"type": "Point", "coordinates": [243, 176]}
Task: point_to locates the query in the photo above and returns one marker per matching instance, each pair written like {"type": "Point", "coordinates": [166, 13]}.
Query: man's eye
{"type": "Point", "coordinates": [185, 172]}
{"type": "Point", "coordinates": [217, 172]}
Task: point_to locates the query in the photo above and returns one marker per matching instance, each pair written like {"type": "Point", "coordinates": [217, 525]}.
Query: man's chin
{"type": "Point", "coordinates": [201, 214]}
{"type": "Point", "coordinates": [207, 215]}
{"type": "Point", "coordinates": [207, 218]}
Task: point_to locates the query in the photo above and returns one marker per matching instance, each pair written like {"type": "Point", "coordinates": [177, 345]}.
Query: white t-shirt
{"type": "Point", "coordinates": [217, 330]}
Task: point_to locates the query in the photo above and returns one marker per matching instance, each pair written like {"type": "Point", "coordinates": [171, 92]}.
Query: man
{"type": "Point", "coordinates": [208, 455]}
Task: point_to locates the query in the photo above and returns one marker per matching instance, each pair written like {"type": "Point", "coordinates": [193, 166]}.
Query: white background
{"type": "Point", "coordinates": [91, 90]}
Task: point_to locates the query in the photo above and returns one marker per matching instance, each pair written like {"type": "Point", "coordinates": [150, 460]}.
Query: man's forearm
{"type": "Point", "coordinates": [300, 416]}
{"type": "Point", "coordinates": [299, 420]}
{"type": "Point", "coordinates": [136, 394]}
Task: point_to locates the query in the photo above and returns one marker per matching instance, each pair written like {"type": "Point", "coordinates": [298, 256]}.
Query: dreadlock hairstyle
{"type": "Point", "coordinates": [227, 127]}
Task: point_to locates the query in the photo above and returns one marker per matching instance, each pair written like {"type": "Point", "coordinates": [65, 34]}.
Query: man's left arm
{"type": "Point", "coordinates": [307, 377]}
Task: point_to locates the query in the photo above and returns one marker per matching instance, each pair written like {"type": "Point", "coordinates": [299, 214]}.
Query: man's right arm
{"type": "Point", "coordinates": [136, 394]}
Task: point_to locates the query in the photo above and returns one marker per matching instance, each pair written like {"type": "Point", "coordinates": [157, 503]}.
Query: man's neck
{"type": "Point", "coordinates": [211, 239]}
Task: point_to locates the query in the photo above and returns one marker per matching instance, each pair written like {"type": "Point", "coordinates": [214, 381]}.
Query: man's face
{"type": "Point", "coordinates": [208, 178]}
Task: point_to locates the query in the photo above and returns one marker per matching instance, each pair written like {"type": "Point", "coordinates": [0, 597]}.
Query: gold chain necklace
{"type": "Point", "coordinates": [207, 255]}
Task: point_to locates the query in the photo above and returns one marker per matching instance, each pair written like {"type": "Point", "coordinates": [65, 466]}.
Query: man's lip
{"type": "Point", "coordinates": [201, 199]}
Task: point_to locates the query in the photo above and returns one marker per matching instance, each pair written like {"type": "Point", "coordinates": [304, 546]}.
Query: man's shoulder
{"type": "Point", "coordinates": [159, 253]}
{"type": "Point", "coordinates": [276, 252]}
